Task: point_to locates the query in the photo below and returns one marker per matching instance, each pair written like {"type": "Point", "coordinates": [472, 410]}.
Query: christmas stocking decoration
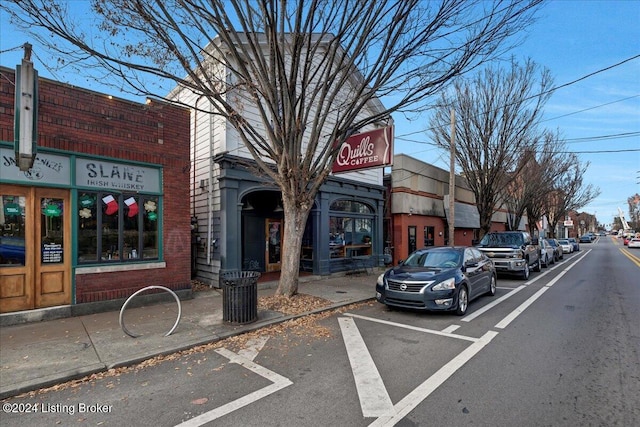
{"type": "Point", "coordinates": [112, 205]}
{"type": "Point", "coordinates": [133, 207]}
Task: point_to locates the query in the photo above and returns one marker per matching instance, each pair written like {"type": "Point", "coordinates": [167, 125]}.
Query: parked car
{"type": "Point", "coordinates": [634, 243]}
{"type": "Point", "coordinates": [557, 247]}
{"type": "Point", "coordinates": [574, 242]}
{"type": "Point", "coordinates": [438, 279]}
{"type": "Point", "coordinates": [512, 252]}
{"type": "Point", "coordinates": [585, 238]}
{"type": "Point", "coordinates": [566, 246]}
{"type": "Point", "coordinates": [626, 240]}
{"type": "Point", "coordinates": [547, 253]}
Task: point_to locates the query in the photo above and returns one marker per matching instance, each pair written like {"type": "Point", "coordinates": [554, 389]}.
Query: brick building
{"type": "Point", "coordinates": [104, 209]}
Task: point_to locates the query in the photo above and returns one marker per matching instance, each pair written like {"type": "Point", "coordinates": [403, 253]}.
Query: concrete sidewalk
{"type": "Point", "coordinates": [36, 355]}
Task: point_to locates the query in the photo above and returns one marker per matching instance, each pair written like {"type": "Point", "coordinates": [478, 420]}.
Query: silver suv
{"type": "Point", "coordinates": [514, 252]}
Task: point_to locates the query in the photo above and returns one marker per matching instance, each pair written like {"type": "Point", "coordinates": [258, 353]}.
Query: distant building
{"type": "Point", "coordinates": [417, 208]}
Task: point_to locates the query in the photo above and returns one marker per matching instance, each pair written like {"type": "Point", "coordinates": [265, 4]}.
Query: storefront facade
{"type": "Point", "coordinates": [236, 211]}
{"type": "Point", "coordinates": [246, 228]}
{"type": "Point", "coordinates": [102, 212]}
{"type": "Point", "coordinates": [417, 209]}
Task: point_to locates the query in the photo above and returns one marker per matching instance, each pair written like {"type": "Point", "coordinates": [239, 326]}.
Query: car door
{"type": "Point", "coordinates": [473, 270]}
{"type": "Point", "coordinates": [486, 270]}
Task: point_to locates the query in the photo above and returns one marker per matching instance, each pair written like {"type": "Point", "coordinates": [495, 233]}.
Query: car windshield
{"type": "Point", "coordinates": [433, 259]}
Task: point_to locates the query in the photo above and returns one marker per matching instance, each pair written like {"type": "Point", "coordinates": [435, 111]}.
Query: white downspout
{"type": "Point", "coordinates": [209, 192]}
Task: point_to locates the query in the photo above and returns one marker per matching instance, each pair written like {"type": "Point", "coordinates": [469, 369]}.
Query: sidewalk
{"type": "Point", "coordinates": [36, 355]}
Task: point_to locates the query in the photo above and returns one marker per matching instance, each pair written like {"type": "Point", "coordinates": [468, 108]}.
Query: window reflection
{"type": "Point", "coordinates": [51, 230]}
{"type": "Point", "coordinates": [350, 233]}
{"type": "Point", "coordinates": [117, 227]}
{"type": "Point", "coordinates": [12, 230]}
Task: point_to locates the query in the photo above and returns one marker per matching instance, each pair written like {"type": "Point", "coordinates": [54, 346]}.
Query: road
{"type": "Point", "coordinates": [561, 349]}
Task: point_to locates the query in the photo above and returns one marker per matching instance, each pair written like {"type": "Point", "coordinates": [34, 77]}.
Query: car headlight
{"type": "Point", "coordinates": [380, 279]}
{"type": "Point", "coordinates": [444, 285]}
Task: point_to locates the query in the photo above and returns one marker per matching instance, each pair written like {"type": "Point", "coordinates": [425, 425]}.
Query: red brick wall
{"type": "Point", "coordinates": [81, 121]}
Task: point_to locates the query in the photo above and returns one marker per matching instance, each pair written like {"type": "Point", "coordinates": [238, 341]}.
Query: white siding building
{"type": "Point", "coordinates": [237, 214]}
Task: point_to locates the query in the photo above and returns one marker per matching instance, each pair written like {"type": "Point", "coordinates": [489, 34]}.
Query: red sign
{"type": "Point", "coordinates": [365, 150]}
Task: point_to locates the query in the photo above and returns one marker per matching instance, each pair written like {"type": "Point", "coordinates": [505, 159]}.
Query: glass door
{"type": "Point", "coordinates": [35, 248]}
{"type": "Point", "coordinates": [53, 238]}
{"type": "Point", "coordinates": [273, 247]}
{"type": "Point", "coordinates": [16, 255]}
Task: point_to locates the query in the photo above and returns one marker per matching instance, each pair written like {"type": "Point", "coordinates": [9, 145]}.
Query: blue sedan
{"type": "Point", "coordinates": [438, 279]}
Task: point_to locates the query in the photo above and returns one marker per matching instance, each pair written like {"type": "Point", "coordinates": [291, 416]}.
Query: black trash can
{"type": "Point", "coordinates": [239, 296]}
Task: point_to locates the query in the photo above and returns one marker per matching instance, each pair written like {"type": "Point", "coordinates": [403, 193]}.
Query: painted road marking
{"type": "Point", "coordinates": [413, 399]}
{"type": "Point", "coordinates": [279, 382]}
{"type": "Point", "coordinates": [484, 309]}
{"type": "Point", "coordinates": [374, 399]}
{"type": "Point", "coordinates": [520, 309]}
{"type": "Point", "coordinates": [253, 347]}
{"type": "Point", "coordinates": [633, 257]}
{"type": "Point", "coordinates": [413, 328]}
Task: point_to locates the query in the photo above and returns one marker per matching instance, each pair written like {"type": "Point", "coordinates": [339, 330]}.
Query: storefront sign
{"type": "Point", "coordinates": [116, 176]}
{"type": "Point", "coordinates": [365, 150]}
{"type": "Point", "coordinates": [47, 168]}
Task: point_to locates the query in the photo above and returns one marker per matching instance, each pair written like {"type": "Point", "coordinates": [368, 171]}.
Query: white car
{"type": "Point", "coordinates": [634, 243]}
{"type": "Point", "coordinates": [567, 246]}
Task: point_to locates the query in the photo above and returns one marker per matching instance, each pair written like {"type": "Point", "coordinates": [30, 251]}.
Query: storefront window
{"type": "Point", "coordinates": [351, 231]}
{"type": "Point", "coordinates": [120, 231]}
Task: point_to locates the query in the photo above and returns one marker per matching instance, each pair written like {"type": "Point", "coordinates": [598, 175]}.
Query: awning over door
{"type": "Point", "coordinates": [465, 216]}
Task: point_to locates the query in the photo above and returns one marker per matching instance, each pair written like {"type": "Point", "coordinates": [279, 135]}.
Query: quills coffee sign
{"type": "Point", "coordinates": [365, 150]}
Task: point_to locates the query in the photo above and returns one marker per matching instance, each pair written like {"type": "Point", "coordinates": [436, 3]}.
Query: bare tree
{"type": "Point", "coordinates": [293, 60]}
{"type": "Point", "coordinates": [539, 169]}
{"type": "Point", "coordinates": [569, 192]}
{"type": "Point", "coordinates": [498, 113]}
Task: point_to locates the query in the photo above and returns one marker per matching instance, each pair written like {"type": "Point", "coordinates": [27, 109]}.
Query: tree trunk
{"type": "Point", "coordinates": [295, 220]}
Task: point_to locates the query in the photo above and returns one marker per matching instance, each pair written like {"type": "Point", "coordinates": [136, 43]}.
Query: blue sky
{"type": "Point", "coordinates": [572, 39]}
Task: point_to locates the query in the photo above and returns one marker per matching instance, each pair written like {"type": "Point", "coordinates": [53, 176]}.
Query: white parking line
{"type": "Point", "coordinates": [413, 328]}
{"type": "Point", "coordinates": [413, 399]}
{"type": "Point", "coordinates": [374, 399]}
{"type": "Point", "coordinates": [470, 317]}
{"type": "Point", "coordinates": [449, 329]}
{"type": "Point", "coordinates": [515, 313]}
{"type": "Point", "coordinates": [279, 382]}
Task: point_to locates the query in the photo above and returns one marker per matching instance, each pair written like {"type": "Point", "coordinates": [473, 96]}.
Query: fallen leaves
{"type": "Point", "coordinates": [294, 305]}
{"type": "Point", "coordinates": [303, 326]}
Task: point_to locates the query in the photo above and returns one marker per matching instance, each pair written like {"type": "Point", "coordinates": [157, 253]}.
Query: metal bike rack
{"type": "Point", "coordinates": [124, 306]}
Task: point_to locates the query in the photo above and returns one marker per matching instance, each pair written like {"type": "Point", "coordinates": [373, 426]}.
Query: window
{"type": "Point", "coordinates": [117, 227]}
{"type": "Point", "coordinates": [12, 230]}
{"type": "Point", "coordinates": [350, 229]}
{"type": "Point", "coordinates": [428, 236]}
{"type": "Point", "coordinates": [412, 238]}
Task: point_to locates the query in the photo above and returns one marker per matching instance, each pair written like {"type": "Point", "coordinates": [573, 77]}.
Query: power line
{"type": "Point", "coordinates": [554, 89]}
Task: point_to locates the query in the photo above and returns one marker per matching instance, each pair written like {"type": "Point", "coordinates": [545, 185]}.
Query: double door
{"type": "Point", "coordinates": [35, 248]}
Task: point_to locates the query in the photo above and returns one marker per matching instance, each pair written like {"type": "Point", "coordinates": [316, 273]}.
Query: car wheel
{"type": "Point", "coordinates": [546, 260]}
{"type": "Point", "coordinates": [492, 286]}
{"type": "Point", "coordinates": [525, 272]}
{"type": "Point", "coordinates": [463, 301]}
{"type": "Point", "coordinates": [538, 266]}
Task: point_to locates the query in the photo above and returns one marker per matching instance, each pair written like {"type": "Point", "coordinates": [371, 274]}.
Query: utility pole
{"type": "Point", "coordinates": [452, 180]}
